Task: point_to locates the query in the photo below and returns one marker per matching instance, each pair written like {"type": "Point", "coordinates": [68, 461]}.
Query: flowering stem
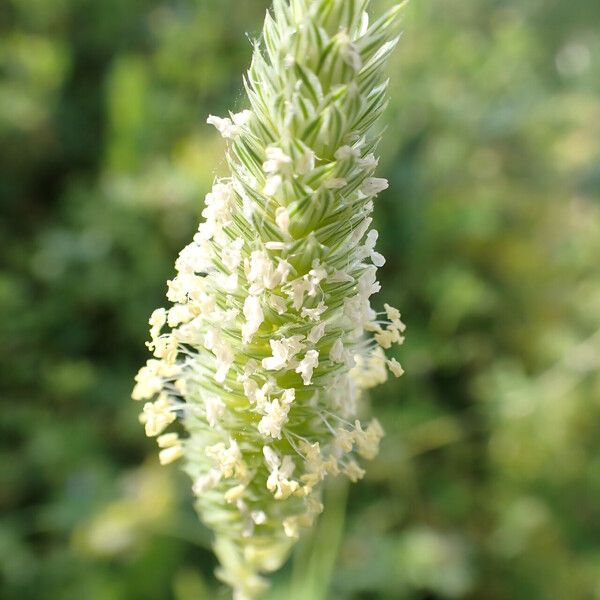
{"type": "Point", "coordinates": [271, 337]}
{"type": "Point", "coordinates": [314, 568]}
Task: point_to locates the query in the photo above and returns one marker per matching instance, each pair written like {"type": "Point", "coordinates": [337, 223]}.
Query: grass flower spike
{"type": "Point", "coordinates": [270, 338]}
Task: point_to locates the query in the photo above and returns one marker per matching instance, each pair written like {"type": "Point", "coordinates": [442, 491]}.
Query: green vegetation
{"type": "Point", "coordinates": [487, 484]}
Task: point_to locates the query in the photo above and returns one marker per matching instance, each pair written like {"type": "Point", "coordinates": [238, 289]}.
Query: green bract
{"type": "Point", "coordinates": [271, 336]}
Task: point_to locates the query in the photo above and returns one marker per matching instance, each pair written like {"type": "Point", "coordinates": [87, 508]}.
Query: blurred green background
{"type": "Point", "coordinates": [488, 483]}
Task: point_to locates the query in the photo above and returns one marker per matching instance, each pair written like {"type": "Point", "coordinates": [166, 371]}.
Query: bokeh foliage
{"type": "Point", "coordinates": [488, 482]}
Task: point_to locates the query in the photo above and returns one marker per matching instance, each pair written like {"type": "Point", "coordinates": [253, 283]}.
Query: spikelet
{"type": "Point", "coordinates": [270, 337]}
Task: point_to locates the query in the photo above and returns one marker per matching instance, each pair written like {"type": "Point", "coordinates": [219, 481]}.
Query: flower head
{"type": "Point", "coordinates": [272, 337]}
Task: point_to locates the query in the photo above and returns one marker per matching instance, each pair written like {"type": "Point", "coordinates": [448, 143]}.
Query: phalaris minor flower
{"type": "Point", "coordinates": [270, 338]}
